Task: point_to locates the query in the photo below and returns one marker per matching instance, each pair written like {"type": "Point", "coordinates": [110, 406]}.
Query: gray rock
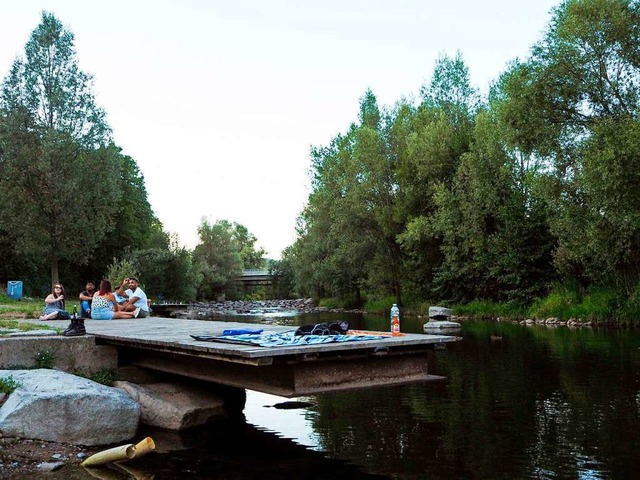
{"type": "Point", "coordinates": [434, 326]}
{"type": "Point", "coordinates": [59, 407]}
{"type": "Point", "coordinates": [33, 333]}
{"type": "Point", "coordinates": [50, 466]}
{"type": "Point", "coordinates": [174, 406]}
{"type": "Point", "coordinates": [439, 312]}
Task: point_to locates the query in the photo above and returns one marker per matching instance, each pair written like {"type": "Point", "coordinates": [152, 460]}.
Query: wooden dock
{"type": "Point", "coordinates": [166, 345]}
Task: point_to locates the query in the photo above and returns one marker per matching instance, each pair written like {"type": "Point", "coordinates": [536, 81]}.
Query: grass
{"type": "Point", "coordinates": [105, 376]}
{"type": "Point", "coordinates": [26, 308]}
{"type": "Point", "coordinates": [7, 326]}
{"type": "Point", "coordinates": [44, 359]}
{"type": "Point", "coordinates": [8, 385]}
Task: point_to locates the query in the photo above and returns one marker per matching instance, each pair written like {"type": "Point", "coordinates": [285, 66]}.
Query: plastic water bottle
{"type": "Point", "coordinates": [395, 320]}
{"type": "Point", "coordinates": [75, 312]}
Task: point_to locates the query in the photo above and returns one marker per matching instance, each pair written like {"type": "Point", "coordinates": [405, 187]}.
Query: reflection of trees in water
{"type": "Point", "coordinates": [529, 402]}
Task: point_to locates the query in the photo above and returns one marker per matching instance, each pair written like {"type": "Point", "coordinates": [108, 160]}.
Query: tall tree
{"type": "Point", "coordinates": [251, 256]}
{"type": "Point", "coordinates": [575, 104]}
{"type": "Point", "coordinates": [56, 157]}
{"type": "Point", "coordinates": [437, 134]}
{"type": "Point", "coordinates": [217, 259]}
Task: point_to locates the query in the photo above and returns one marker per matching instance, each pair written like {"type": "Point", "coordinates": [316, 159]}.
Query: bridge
{"type": "Point", "coordinates": [167, 345]}
{"type": "Point", "coordinates": [255, 277]}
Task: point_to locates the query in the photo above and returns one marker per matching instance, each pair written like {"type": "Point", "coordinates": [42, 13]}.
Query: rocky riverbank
{"type": "Point", "coordinates": [22, 458]}
{"type": "Point", "coordinates": [258, 308]}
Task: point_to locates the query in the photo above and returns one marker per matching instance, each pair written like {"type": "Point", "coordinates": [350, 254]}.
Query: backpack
{"type": "Point", "coordinates": [327, 328]}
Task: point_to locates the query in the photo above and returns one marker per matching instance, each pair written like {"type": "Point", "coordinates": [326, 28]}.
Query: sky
{"type": "Point", "coordinates": [220, 101]}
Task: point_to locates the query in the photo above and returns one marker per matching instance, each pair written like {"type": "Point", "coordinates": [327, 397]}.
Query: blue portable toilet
{"type": "Point", "coordinates": [14, 289]}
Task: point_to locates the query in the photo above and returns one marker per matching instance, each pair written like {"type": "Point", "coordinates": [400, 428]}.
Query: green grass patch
{"type": "Point", "coordinates": [8, 385]}
{"type": "Point", "coordinates": [379, 305]}
{"type": "Point", "coordinates": [331, 303]}
{"type": "Point", "coordinates": [26, 308]}
{"type": "Point", "coordinates": [597, 304]}
{"type": "Point", "coordinates": [7, 326]}
{"type": "Point", "coordinates": [485, 309]}
{"type": "Point", "coordinates": [105, 376]}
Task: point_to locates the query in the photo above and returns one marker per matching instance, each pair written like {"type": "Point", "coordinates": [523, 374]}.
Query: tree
{"type": "Point", "coordinates": [56, 156]}
{"type": "Point", "coordinates": [251, 256]}
{"type": "Point", "coordinates": [574, 104]}
{"type": "Point", "coordinates": [431, 141]}
{"type": "Point", "coordinates": [217, 259]}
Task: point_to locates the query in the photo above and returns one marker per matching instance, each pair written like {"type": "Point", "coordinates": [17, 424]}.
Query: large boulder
{"type": "Point", "coordinates": [59, 407]}
{"type": "Point", "coordinates": [175, 406]}
{"type": "Point", "coordinates": [439, 313]}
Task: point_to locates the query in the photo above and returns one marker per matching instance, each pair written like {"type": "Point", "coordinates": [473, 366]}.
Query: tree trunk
{"type": "Point", "coordinates": [54, 269]}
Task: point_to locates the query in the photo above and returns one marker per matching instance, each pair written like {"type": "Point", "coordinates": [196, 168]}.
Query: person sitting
{"type": "Point", "coordinates": [136, 297]}
{"type": "Point", "coordinates": [120, 299]}
{"type": "Point", "coordinates": [54, 303]}
{"type": "Point", "coordinates": [104, 306]}
{"type": "Point", "coordinates": [85, 300]}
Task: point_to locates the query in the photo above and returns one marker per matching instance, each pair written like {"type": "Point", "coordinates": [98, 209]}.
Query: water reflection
{"type": "Point", "coordinates": [519, 402]}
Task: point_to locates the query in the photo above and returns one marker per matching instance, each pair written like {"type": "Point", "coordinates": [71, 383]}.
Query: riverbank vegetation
{"type": "Point", "coordinates": [522, 202]}
{"type": "Point", "coordinates": [518, 202]}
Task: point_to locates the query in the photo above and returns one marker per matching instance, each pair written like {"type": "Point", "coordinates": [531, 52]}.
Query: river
{"type": "Point", "coordinates": [519, 402]}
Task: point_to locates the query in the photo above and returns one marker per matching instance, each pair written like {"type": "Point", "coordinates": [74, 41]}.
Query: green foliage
{"type": "Point", "coordinates": [8, 385]}
{"type": "Point", "coordinates": [486, 309]}
{"type": "Point", "coordinates": [105, 376]}
{"type": "Point", "coordinates": [44, 359]}
{"type": "Point", "coordinates": [217, 260]}
{"type": "Point", "coordinates": [331, 303]}
{"type": "Point", "coordinates": [53, 139]}
{"type": "Point", "coordinates": [377, 305]}
{"type": "Point", "coordinates": [283, 272]}
{"type": "Point", "coordinates": [598, 304]}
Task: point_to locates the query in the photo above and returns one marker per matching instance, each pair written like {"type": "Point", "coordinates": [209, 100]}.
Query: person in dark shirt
{"type": "Point", "coordinates": [85, 300]}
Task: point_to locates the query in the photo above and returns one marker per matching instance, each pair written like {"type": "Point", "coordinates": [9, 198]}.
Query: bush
{"type": "Point", "coordinates": [377, 305]}
{"type": "Point", "coordinates": [486, 309]}
{"type": "Point", "coordinates": [597, 304]}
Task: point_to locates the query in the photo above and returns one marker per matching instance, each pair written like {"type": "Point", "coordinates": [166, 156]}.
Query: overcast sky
{"type": "Point", "coordinates": [220, 101]}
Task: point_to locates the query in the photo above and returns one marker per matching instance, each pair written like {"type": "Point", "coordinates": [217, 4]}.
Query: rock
{"type": "Point", "coordinates": [174, 406]}
{"type": "Point", "coordinates": [440, 326]}
{"type": "Point", "coordinates": [439, 312]}
{"type": "Point", "coordinates": [59, 407]}
{"type": "Point", "coordinates": [33, 333]}
{"type": "Point", "coordinates": [50, 466]}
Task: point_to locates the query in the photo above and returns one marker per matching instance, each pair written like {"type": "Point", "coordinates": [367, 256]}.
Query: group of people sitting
{"type": "Point", "coordinates": [127, 301]}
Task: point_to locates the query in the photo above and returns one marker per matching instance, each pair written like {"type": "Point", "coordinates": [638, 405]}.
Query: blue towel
{"type": "Point", "coordinates": [241, 331]}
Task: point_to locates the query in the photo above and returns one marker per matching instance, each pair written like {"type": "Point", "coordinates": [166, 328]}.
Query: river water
{"type": "Point", "coordinates": [519, 402]}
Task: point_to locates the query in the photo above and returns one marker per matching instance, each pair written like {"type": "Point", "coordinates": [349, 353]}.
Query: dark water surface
{"type": "Point", "coordinates": [519, 403]}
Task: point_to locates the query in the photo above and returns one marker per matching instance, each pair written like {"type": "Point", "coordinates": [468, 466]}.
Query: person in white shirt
{"type": "Point", "coordinates": [136, 298]}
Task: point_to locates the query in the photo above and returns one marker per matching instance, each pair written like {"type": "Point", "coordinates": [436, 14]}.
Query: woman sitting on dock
{"type": "Point", "coordinates": [103, 306]}
{"type": "Point", "coordinates": [54, 303]}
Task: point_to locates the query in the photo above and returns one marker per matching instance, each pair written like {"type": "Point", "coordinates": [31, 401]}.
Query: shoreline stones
{"type": "Point", "coordinates": [259, 308]}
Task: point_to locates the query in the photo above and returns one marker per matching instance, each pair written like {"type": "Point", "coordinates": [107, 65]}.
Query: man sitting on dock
{"type": "Point", "coordinates": [85, 300]}
{"type": "Point", "coordinates": [136, 298]}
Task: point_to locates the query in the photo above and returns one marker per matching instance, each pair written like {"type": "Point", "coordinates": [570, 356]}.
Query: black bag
{"type": "Point", "coordinates": [333, 328]}
{"type": "Point", "coordinates": [63, 315]}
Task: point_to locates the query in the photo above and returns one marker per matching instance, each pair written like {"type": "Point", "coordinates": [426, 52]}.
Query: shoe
{"type": "Point", "coordinates": [78, 330]}
{"type": "Point", "coordinates": [71, 326]}
{"type": "Point", "coordinates": [136, 312]}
